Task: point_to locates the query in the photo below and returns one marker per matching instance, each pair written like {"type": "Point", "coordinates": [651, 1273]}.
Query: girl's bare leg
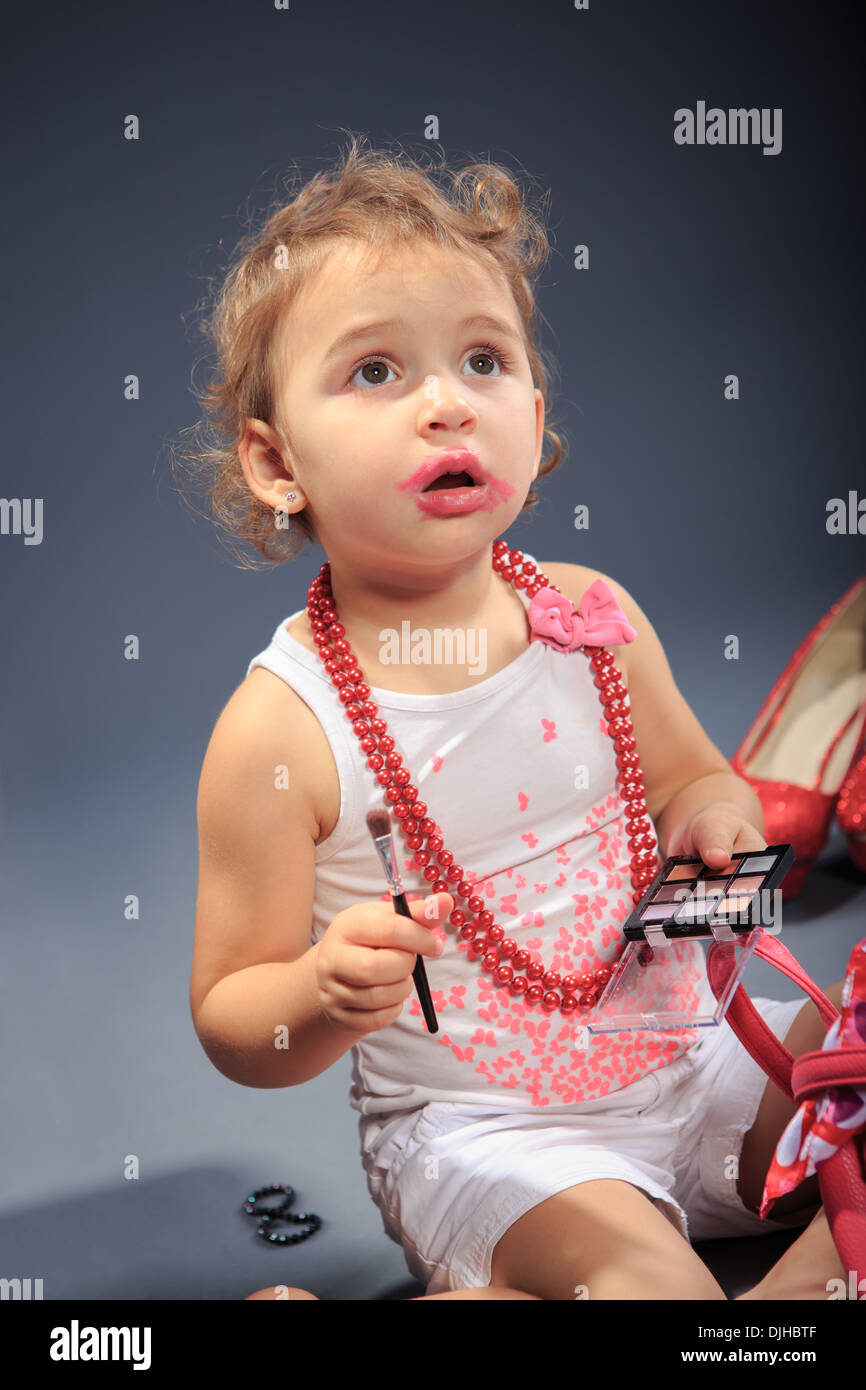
{"type": "Point", "coordinates": [805, 1269]}
{"type": "Point", "coordinates": [278, 1291]}
{"type": "Point", "coordinates": [602, 1239]}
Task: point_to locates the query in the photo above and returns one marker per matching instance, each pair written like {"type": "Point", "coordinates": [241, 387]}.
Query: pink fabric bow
{"type": "Point", "coordinates": [598, 621]}
{"type": "Point", "coordinates": [827, 1121]}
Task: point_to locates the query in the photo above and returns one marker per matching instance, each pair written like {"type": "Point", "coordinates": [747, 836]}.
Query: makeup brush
{"type": "Point", "coordinates": [379, 826]}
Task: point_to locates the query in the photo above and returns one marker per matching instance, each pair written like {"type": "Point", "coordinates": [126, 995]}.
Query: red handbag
{"type": "Point", "coordinates": [842, 1175]}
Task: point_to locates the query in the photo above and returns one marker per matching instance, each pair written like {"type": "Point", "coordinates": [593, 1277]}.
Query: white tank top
{"type": "Point", "coordinates": [498, 765]}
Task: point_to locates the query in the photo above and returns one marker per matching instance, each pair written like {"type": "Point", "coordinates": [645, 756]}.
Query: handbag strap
{"type": "Point", "coordinates": [757, 1038]}
{"type": "Point", "coordinates": [814, 1072]}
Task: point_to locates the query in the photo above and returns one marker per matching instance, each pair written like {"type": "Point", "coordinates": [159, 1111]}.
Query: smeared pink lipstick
{"type": "Point", "coordinates": [486, 493]}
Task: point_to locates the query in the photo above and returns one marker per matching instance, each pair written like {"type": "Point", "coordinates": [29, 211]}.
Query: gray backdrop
{"type": "Point", "coordinates": [705, 261]}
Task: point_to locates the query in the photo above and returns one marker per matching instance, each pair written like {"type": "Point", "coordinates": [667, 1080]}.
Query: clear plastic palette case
{"type": "Point", "coordinates": [660, 982]}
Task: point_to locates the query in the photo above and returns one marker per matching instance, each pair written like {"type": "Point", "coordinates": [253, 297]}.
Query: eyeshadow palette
{"type": "Point", "coordinates": [688, 898]}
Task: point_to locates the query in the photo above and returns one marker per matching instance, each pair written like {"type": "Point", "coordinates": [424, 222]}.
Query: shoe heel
{"type": "Point", "coordinates": [857, 850]}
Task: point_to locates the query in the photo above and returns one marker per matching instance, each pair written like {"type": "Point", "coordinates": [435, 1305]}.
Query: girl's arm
{"type": "Point", "coordinates": [253, 982]}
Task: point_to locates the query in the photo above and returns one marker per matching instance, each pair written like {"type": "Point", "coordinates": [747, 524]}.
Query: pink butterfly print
{"type": "Point", "coordinates": [534, 945]}
{"type": "Point", "coordinates": [590, 874]}
{"type": "Point", "coordinates": [508, 904]}
{"type": "Point", "coordinates": [549, 726]}
{"type": "Point", "coordinates": [532, 919]}
{"type": "Point", "coordinates": [522, 800]}
{"type": "Point", "coordinates": [541, 887]}
{"type": "Point", "coordinates": [509, 1024]}
{"type": "Point", "coordinates": [559, 882]}
{"type": "Point", "coordinates": [530, 839]}
{"type": "Point", "coordinates": [540, 1100]}
{"type": "Point", "coordinates": [488, 1038]}
{"type": "Point", "coordinates": [520, 881]}
{"type": "Point", "coordinates": [436, 762]}
{"type": "Point", "coordinates": [517, 1056]}
{"type": "Point", "coordinates": [490, 1015]}
{"type": "Point", "coordinates": [501, 1064]}
{"type": "Point", "coordinates": [510, 1082]}
{"type": "Point", "coordinates": [456, 996]}
{"type": "Point", "coordinates": [463, 1054]}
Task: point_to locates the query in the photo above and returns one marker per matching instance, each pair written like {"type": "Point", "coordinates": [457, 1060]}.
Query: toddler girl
{"type": "Point", "coordinates": [382, 391]}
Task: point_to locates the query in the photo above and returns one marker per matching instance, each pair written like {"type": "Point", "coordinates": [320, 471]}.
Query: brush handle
{"type": "Point", "coordinates": [419, 974]}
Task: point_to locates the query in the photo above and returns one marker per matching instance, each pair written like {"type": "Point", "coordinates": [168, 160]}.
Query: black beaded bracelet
{"type": "Point", "coordinates": [280, 1213]}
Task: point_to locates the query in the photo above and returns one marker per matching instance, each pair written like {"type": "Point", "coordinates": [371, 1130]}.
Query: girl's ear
{"type": "Point", "coordinates": [261, 459]}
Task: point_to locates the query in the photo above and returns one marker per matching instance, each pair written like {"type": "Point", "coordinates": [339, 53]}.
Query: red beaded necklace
{"type": "Point", "coordinates": [510, 967]}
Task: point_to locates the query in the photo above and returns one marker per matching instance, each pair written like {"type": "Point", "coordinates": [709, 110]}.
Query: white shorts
{"type": "Point", "coordinates": [450, 1180]}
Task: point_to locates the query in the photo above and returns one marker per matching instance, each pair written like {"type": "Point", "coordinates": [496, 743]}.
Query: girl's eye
{"type": "Point", "coordinates": [486, 350]}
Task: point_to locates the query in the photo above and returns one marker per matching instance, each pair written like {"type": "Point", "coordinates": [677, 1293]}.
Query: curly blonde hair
{"type": "Point", "coordinates": [370, 196]}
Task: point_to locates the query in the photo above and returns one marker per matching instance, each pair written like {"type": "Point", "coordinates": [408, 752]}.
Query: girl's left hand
{"type": "Point", "coordinates": [718, 831]}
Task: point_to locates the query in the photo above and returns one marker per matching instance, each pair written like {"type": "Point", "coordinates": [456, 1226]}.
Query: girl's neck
{"type": "Point", "coordinates": [499, 629]}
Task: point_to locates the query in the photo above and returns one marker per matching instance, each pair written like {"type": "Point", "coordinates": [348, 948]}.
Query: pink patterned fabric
{"type": "Point", "coordinates": [597, 621]}
{"type": "Point", "coordinates": [824, 1123]}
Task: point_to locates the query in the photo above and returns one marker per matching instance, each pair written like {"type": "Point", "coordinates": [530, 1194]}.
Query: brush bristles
{"type": "Point", "coordinates": [378, 824]}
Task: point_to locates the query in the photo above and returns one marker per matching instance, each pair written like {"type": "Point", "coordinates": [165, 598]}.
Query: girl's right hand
{"type": "Point", "coordinates": [366, 957]}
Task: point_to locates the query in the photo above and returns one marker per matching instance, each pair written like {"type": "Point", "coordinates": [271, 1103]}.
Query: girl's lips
{"type": "Point", "coordinates": [454, 460]}
{"type": "Point", "coordinates": [486, 494]}
{"type": "Point", "coordinates": [455, 501]}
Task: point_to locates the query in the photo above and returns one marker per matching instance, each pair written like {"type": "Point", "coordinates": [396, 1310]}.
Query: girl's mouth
{"type": "Point", "coordinates": [445, 481]}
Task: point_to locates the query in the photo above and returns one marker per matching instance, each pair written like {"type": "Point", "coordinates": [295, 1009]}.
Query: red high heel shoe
{"type": "Point", "coordinates": [813, 718]}
{"type": "Point", "coordinates": [851, 809]}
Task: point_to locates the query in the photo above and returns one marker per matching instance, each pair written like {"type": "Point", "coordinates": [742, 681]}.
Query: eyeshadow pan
{"type": "Point", "coordinates": [746, 883]}
{"type": "Point", "coordinates": [736, 903]}
{"type": "Point", "coordinates": [694, 910]}
{"type": "Point", "coordinates": [667, 893]}
{"type": "Point", "coordinates": [760, 865]}
{"type": "Point", "coordinates": [682, 871]}
{"type": "Point", "coordinates": [658, 913]}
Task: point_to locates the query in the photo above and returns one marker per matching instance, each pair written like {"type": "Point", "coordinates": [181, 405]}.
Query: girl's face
{"type": "Point", "coordinates": [365, 414]}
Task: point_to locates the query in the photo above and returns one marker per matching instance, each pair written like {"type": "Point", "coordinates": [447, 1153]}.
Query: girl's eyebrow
{"type": "Point", "coordinates": [488, 321]}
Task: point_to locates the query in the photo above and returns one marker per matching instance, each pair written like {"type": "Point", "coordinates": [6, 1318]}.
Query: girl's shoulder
{"type": "Point", "coordinates": [574, 580]}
